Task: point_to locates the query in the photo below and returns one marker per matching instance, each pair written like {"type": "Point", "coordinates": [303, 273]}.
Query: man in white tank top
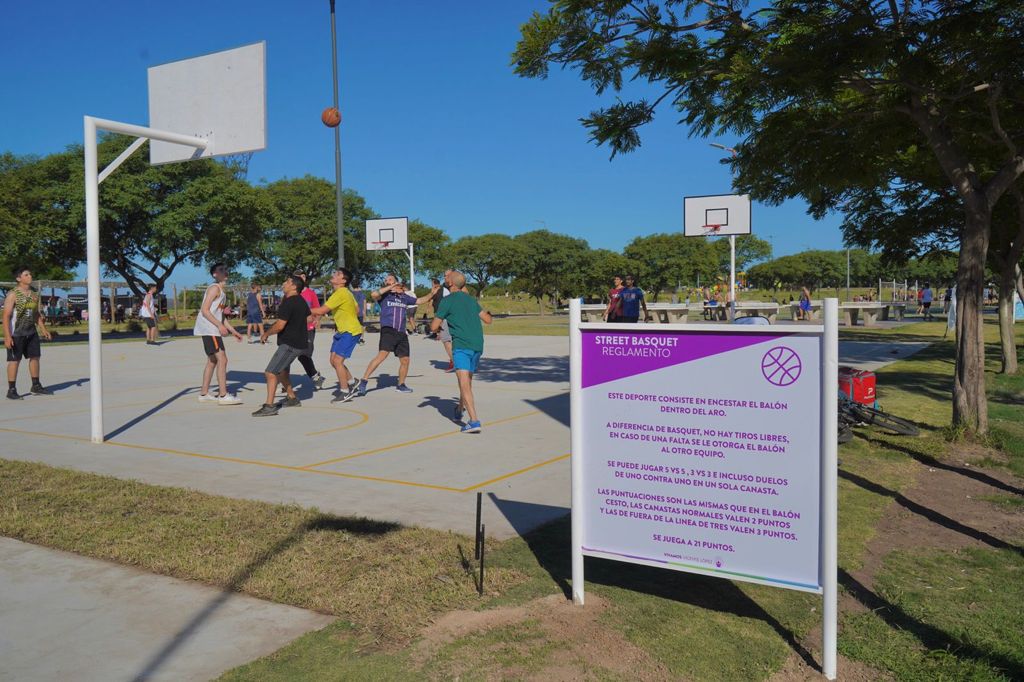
{"type": "Point", "coordinates": [210, 325]}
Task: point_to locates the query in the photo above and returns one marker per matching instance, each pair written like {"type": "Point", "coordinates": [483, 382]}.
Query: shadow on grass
{"type": "Point", "coordinates": [930, 514]}
{"type": "Point", "coordinates": [321, 522]}
{"type": "Point", "coordinates": [931, 637]}
{"type": "Point", "coordinates": [550, 544]}
{"type": "Point", "coordinates": [928, 460]}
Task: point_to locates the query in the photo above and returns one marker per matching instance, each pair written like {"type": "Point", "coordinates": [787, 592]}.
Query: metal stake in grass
{"type": "Point", "coordinates": [477, 542]}
{"type": "Point", "coordinates": [482, 532]}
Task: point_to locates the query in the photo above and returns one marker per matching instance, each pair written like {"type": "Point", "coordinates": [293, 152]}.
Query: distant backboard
{"type": "Point", "coordinates": [715, 215]}
{"type": "Point", "coordinates": [387, 234]}
{"type": "Point", "coordinates": [220, 96]}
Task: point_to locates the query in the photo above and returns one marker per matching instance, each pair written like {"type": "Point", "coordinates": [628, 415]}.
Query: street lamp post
{"type": "Point", "coordinates": [337, 146]}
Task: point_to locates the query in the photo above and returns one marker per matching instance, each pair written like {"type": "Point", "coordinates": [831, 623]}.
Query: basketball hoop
{"type": "Point", "coordinates": [381, 245]}
{"type": "Point", "coordinates": [712, 229]}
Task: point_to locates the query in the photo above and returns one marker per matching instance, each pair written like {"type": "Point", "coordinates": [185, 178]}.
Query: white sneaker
{"type": "Point", "coordinates": [229, 399]}
{"type": "Point", "coordinates": [208, 398]}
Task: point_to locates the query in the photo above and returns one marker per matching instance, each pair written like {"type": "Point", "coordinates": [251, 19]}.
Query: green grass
{"type": "Point", "coordinates": [932, 614]}
{"type": "Point", "coordinates": [944, 616]}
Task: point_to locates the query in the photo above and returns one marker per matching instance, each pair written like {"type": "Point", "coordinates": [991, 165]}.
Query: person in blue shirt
{"type": "Point", "coordinates": [926, 300]}
{"type": "Point", "coordinates": [394, 302]}
{"type": "Point", "coordinates": [632, 300]}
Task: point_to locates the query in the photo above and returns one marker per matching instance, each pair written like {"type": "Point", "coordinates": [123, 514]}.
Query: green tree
{"type": "Point", "coordinates": [33, 231]}
{"type": "Point", "coordinates": [302, 231]}
{"type": "Point", "coordinates": [839, 103]}
{"type": "Point", "coordinates": [550, 265]}
{"type": "Point", "coordinates": [668, 260]}
{"type": "Point", "coordinates": [484, 258]}
{"type": "Point", "coordinates": [603, 266]}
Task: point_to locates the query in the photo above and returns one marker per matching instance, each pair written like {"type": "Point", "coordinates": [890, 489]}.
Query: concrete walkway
{"type": "Point", "coordinates": [66, 617]}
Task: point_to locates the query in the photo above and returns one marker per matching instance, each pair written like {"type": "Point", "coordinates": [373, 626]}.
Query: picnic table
{"type": "Point", "coordinates": [661, 313]}
{"type": "Point", "coordinates": [758, 309]}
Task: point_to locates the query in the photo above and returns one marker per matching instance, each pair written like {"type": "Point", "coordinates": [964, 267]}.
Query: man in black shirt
{"type": "Point", "coordinates": [292, 318]}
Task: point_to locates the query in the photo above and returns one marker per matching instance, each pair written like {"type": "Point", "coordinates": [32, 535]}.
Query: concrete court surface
{"type": "Point", "coordinates": [66, 617]}
{"type": "Point", "coordinates": [387, 456]}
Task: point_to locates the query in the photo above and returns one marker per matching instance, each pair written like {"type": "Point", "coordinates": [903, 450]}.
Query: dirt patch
{"type": "Point", "coordinates": [583, 645]}
{"type": "Point", "coordinates": [797, 670]}
{"type": "Point", "coordinates": [946, 508]}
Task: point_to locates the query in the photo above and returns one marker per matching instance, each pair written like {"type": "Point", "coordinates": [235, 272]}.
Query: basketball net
{"type": "Point", "coordinates": [381, 245]}
{"type": "Point", "coordinates": [712, 229]}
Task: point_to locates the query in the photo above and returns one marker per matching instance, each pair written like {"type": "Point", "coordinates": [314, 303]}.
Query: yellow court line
{"type": "Point", "coordinates": [412, 442]}
{"type": "Point", "coordinates": [69, 413]}
{"type": "Point", "coordinates": [238, 460]}
{"type": "Point", "coordinates": [365, 418]}
{"type": "Point", "coordinates": [516, 473]}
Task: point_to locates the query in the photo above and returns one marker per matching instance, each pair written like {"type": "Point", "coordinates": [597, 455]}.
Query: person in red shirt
{"type": "Point", "coordinates": [306, 359]}
{"type": "Point", "coordinates": [614, 310]}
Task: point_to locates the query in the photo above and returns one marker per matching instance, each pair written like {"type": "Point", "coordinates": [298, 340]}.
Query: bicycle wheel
{"type": "Point", "coordinates": [884, 420]}
{"type": "Point", "coordinates": [845, 434]}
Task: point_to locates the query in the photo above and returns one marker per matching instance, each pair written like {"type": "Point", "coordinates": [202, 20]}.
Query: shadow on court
{"type": "Point", "coordinates": [320, 523]}
{"type": "Point", "coordinates": [149, 413]}
{"type": "Point", "coordinates": [524, 369]}
{"type": "Point", "coordinates": [554, 406]}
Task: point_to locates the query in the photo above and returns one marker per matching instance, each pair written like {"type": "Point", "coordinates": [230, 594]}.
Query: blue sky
{"type": "Point", "coordinates": [435, 124]}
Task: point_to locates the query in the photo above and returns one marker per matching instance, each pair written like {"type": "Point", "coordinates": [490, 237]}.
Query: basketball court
{"type": "Point", "coordinates": [388, 455]}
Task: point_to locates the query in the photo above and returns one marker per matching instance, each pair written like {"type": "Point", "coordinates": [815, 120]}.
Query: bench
{"type": "Point", "coordinates": [661, 313]}
{"type": "Point", "coordinates": [870, 311]}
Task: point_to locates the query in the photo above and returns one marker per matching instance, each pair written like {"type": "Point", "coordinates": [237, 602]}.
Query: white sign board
{"type": "Point", "coordinates": [716, 215]}
{"type": "Point", "coordinates": [708, 449]}
{"type": "Point", "coordinates": [701, 451]}
{"type": "Point", "coordinates": [221, 97]}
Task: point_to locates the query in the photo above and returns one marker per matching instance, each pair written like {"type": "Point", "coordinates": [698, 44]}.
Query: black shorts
{"type": "Point", "coordinates": [213, 344]}
{"type": "Point", "coordinates": [150, 322]}
{"type": "Point", "coordinates": [283, 358]}
{"type": "Point", "coordinates": [394, 341]}
{"type": "Point", "coordinates": [926, 305]}
{"type": "Point", "coordinates": [631, 320]}
{"type": "Point", "coordinates": [24, 347]}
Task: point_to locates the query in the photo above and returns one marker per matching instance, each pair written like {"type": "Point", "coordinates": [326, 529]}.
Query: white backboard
{"type": "Point", "coordinates": [220, 96]}
{"type": "Point", "coordinates": [387, 234]}
{"type": "Point", "coordinates": [730, 212]}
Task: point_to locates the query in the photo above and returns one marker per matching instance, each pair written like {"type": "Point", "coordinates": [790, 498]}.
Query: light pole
{"type": "Point", "coordinates": [732, 246]}
{"type": "Point", "coordinates": [847, 274]}
{"type": "Point", "coordinates": [337, 146]}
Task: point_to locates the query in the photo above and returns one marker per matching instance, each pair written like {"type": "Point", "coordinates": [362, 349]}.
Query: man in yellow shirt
{"type": "Point", "coordinates": [342, 306]}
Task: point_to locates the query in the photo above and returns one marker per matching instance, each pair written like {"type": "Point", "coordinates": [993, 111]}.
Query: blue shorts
{"type": "Point", "coordinates": [344, 343]}
{"type": "Point", "coordinates": [254, 318]}
{"type": "Point", "coordinates": [466, 359]}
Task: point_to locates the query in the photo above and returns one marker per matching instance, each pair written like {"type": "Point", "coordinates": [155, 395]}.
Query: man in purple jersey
{"type": "Point", "coordinates": [394, 302]}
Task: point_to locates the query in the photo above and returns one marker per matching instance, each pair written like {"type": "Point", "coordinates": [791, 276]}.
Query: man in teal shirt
{"type": "Point", "coordinates": [464, 318]}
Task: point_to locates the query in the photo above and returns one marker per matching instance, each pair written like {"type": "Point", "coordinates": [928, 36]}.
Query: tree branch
{"type": "Point", "coordinates": [992, 100]}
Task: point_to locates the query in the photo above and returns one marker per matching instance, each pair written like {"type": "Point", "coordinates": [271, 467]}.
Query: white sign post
{"type": "Point", "coordinates": [710, 450]}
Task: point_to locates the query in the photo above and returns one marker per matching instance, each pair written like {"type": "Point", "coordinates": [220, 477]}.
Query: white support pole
{"type": "Point", "coordinates": [829, 559]}
{"type": "Point", "coordinates": [576, 446]}
{"type": "Point", "coordinates": [412, 269]}
{"type": "Point", "coordinates": [92, 243]}
{"type": "Point", "coordinates": [732, 276]}
{"type": "Point", "coordinates": [92, 250]}
{"type": "Point", "coordinates": [132, 148]}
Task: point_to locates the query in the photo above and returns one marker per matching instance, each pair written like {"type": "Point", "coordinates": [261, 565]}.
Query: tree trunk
{"type": "Point", "coordinates": [1007, 343]}
{"type": "Point", "coordinates": [970, 406]}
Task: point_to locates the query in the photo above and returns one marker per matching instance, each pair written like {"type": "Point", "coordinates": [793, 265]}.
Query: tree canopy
{"type": "Point", "coordinates": [871, 109]}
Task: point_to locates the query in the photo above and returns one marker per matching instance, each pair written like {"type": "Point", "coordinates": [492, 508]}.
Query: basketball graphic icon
{"type": "Point", "coordinates": [331, 117]}
{"type": "Point", "coordinates": [781, 366]}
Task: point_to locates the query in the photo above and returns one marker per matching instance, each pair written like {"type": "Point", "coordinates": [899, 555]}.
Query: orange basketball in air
{"type": "Point", "coordinates": [331, 117]}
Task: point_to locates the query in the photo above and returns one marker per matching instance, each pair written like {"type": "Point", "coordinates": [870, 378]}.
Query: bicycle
{"type": "Point", "coordinates": [855, 414]}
